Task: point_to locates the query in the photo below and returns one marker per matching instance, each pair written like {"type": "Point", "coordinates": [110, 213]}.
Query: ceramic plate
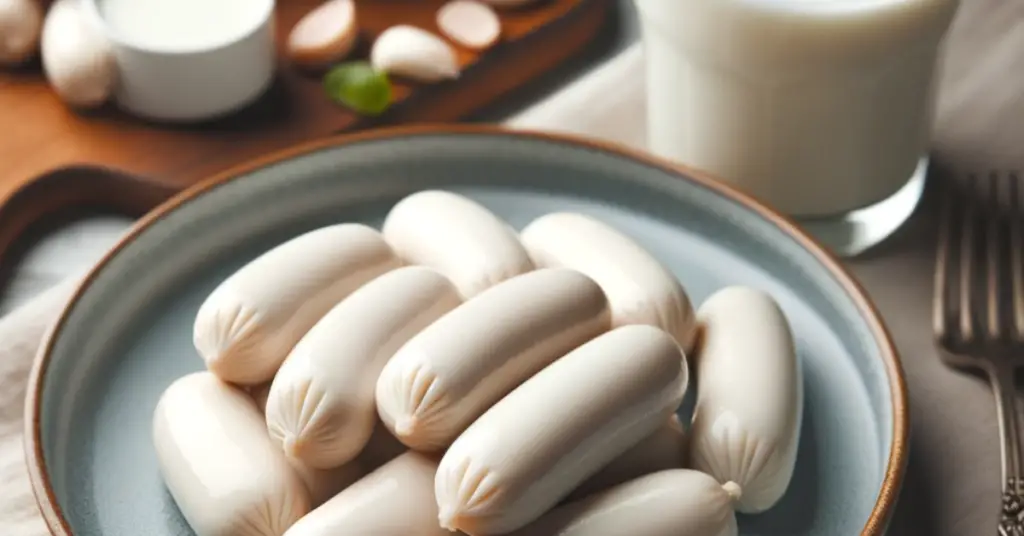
{"type": "Point", "coordinates": [128, 332]}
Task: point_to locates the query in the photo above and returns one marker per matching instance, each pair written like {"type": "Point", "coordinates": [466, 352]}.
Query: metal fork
{"type": "Point", "coordinates": [979, 308]}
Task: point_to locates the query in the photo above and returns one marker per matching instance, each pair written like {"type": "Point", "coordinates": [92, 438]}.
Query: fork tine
{"type": "Point", "coordinates": [992, 284]}
{"type": "Point", "coordinates": [1016, 253]}
{"type": "Point", "coordinates": [940, 313]}
{"type": "Point", "coordinates": [966, 265]}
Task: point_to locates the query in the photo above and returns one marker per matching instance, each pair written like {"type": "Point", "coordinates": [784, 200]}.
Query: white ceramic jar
{"type": "Point", "coordinates": [818, 107]}
{"type": "Point", "coordinates": [188, 60]}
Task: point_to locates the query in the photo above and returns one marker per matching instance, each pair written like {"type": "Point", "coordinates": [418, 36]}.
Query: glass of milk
{"type": "Point", "coordinates": [820, 108]}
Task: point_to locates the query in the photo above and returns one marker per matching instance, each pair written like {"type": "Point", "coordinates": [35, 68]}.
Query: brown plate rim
{"type": "Point", "coordinates": [899, 447]}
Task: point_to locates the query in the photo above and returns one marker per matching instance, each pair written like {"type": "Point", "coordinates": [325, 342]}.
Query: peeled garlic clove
{"type": "Point", "coordinates": [324, 35]}
{"type": "Point", "coordinates": [21, 22]}
{"type": "Point", "coordinates": [77, 58]}
{"type": "Point", "coordinates": [469, 23]}
{"type": "Point", "coordinates": [414, 53]}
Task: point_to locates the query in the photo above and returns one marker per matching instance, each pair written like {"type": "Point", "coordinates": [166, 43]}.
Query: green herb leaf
{"type": "Point", "coordinates": [359, 86]}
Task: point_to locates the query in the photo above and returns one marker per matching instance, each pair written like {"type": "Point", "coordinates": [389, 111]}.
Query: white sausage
{"type": "Point", "coordinates": [395, 500]}
{"type": "Point", "coordinates": [664, 449]}
{"type": "Point", "coordinates": [249, 323]}
{"type": "Point", "coordinates": [323, 484]}
{"type": "Point", "coordinates": [640, 289]}
{"type": "Point", "coordinates": [746, 423]}
{"type": "Point", "coordinates": [220, 466]}
{"type": "Point", "coordinates": [452, 371]}
{"type": "Point", "coordinates": [321, 406]}
{"type": "Point", "coordinates": [531, 449]}
{"type": "Point", "coordinates": [458, 237]}
{"type": "Point", "coordinates": [677, 502]}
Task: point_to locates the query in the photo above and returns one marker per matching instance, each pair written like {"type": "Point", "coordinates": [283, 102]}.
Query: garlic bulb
{"type": "Point", "coordinates": [414, 53]}
{"type": "Point", "coordinates": [324, 35]}
{"type": "Point", "coordinates": [469, 23]}
{"type": "Point", "coordinates": [77, 58]}
{"type": "Point", "coordinates": [20, 24]}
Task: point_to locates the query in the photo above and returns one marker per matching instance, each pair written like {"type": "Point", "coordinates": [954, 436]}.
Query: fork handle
{"type": "Point", "coordinates": [1012, 509]}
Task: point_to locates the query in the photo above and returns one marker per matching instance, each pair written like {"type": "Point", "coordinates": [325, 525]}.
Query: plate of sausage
{"type": "Point", "coordinates": [466, 330]}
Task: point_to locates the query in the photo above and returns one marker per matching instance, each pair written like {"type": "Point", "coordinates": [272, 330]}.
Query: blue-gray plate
{"type": "Point", "coordinates": [126, 335]}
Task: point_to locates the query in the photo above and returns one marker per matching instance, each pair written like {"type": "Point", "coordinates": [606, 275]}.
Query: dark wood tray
{"type": "Point", "coordinates": [55, 162]}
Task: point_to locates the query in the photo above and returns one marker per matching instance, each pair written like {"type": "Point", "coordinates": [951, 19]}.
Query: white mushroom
{"type": "Point", "coordinates": [469, 23]}
{"type": "Point", "coordinates": [77, 58]}
{"type": "Point", "coordinates": [325, 35]}
{"type": "Point", "coordinates": [414, 53]}
{"type": "Point", "coordinates": [20, 25]}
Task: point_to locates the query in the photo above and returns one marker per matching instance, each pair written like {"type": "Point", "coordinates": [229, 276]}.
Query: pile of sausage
{"type": "Point", "coordinates": [447, 374]}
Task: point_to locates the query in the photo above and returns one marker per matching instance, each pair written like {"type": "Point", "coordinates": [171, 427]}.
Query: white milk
{"type": "Point", "coordinates": [182, 24]}
{"type": "Point", "coordinates": [818, 107]}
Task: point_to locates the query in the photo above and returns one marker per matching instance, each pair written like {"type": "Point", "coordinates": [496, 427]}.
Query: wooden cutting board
{"type": "Point", "coordinates": [55, 162]}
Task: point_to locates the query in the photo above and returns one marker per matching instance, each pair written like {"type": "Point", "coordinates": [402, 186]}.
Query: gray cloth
{"type": "Point", "coordinates": [952, 486]}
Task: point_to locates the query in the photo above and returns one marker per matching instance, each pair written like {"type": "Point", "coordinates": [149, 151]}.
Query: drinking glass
{"type": "Point", "coordinates": [820, 108]}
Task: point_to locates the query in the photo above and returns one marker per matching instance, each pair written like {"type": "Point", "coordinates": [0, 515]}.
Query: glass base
{"type": "Point", "coordinates": [854, 233]}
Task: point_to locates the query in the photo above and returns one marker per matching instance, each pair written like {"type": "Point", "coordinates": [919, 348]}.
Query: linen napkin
{"type": "Point", "coordinates": [20, 333]}
{"type": "Point", "coordinates": [952, 486]}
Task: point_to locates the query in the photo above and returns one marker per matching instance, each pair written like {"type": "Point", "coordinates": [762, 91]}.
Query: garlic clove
{"type": "Point", "coordinates": [414, 53]}
{"type": "Point", "coordinates": [469, 23]}
{"type": "Point", "coordinates": [325, 35]}
{"type": "Point", "coordinates": [21, 22]}
{"type": "Point", "coordinates": [77, 59]}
